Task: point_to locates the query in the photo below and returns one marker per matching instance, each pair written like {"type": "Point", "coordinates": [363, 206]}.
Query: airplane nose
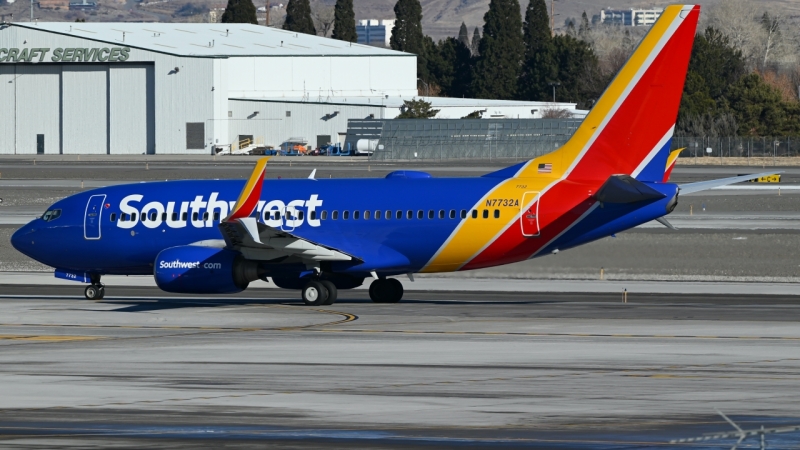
{"type": "Point", "coordinates": [22, 239]}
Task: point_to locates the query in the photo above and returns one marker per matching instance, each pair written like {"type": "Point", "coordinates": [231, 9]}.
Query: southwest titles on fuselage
{"type": "Point", "coordinates": [202, 213]}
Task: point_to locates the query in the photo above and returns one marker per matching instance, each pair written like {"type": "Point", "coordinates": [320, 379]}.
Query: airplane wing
{"type": "Point", "coordinates": [704, 185]}
{"type": "Point", "coordinates": [257, 241]}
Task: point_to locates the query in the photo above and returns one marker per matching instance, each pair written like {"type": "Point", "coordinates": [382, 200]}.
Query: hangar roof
{"type": "Point", "coordinates": [209, 39]}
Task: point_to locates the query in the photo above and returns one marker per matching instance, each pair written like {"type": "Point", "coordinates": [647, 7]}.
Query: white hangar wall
{"type": "Point", "coordinates": [97, 107]}
{"type": "Point", "coordinates": [325, 76]}
{"type": "Point", "coordinates": [273, 122]}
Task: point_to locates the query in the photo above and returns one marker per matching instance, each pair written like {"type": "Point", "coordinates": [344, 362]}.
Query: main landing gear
{"type": "Point", "coordinates": [386, 290]}
{"type": "Point", "coordinates": [319, 292]}
{"type": "Point", "coordinates": [96, 290]}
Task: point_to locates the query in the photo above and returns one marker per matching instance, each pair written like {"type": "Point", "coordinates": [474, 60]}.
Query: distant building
{"type": "Point", "coordinates": [628, 17]}
{"type": "Point", "coordinates": [54, 4]}
{"type": "Point", "coordinates": [375, 32]}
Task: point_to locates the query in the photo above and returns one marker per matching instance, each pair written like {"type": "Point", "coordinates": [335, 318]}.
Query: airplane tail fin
{"type": "Point", "coordinates": [632, 123]}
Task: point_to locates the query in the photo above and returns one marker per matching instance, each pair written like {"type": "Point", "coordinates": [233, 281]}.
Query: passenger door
{"type": "Point", "coordinates": [94, 213]}
{"type": "Point", "coordinates": [529, 217]}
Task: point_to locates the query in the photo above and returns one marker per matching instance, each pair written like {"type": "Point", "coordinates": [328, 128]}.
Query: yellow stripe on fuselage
{"type": "Point", "coordinates": [473, 235]}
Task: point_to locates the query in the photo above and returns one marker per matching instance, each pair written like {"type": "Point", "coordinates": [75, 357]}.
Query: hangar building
{"type": "Point", "coordinates": [132, 88]}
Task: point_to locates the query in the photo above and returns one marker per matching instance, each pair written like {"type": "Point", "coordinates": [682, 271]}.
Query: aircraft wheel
{"type": "Point", "coordinates": [333, 293]}
{"type": "Point", "coordinates": [388, 290]}
{"type": "Point", "coordinates": [314, 293]}
{"type": "Point", "coordinates": [94, 292]}
{"type": "Point", "coordinates": [396, 289]}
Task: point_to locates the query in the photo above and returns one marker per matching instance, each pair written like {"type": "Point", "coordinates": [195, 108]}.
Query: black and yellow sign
{"type": "Point", "coordinates": [97, 54]}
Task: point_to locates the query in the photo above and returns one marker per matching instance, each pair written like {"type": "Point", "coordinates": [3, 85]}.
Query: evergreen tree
{"type": "Point", "coordinates": [714, 67]}
{"type": "Point", "coordinates": [575, 60]}
{"type": "Point", "coordinates": [240, 11]}
{"type": "Point", "coordinates": [585, 27]}
{"type": "Point", "coordinates": [298, 17]}
{"type": "Point", "coordinates": [417, 109]}
{"type": "Point", "coordinates": [407, 33]}
{"type": "Point", "coordinates": [344, 21]}
{"type": "Point", "coordinates": [449, 64]}
{"type": "Point", "coordinates": [760, 110]}
{"type": "Point", "coordinates": [539, 68]}
{"type": "Point", "coordinates": [463, 35]}
{"type": "Point", "coordinates": [476, 42]}
{"type": "Point", "coordinates": [501, 52]}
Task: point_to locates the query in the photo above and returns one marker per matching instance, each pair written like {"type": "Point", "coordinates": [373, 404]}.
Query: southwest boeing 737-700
{"type": "Point", "coordinates": [215, 237]}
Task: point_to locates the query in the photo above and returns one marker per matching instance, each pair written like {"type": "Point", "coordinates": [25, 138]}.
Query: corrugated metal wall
{"type": "Point", "coordinates": [131, 114]}
{"type": "Point", "coordinates": [84, 109]}
{"type": "Point", "coordinates": [269, 122]}
{"type": "Point", "coordinates": [184, 96]}
{"type": "Point", "coordinates": [7, 106]}
{"type": "Point", "coordinates": [38, 107]}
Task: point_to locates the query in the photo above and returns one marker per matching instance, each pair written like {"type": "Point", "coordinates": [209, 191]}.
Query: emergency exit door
{"type": "Point", "coordinates": [529, 217]}
{"type": "Point", "coordinates": [94, 213]}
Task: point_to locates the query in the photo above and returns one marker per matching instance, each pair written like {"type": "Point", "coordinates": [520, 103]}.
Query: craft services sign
{"type": "Point", "coordinates": [98, 54]}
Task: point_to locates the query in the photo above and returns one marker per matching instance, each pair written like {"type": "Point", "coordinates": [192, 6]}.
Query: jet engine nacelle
{"type": "Point", "coordinates": [190, 269]}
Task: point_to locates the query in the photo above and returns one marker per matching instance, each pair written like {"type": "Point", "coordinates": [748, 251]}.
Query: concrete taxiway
{"type": "Point", "coordinates": [141, 369]}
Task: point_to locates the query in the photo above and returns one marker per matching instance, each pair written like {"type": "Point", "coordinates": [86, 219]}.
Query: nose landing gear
{"type": "Point", "coordinates": [95, 291]}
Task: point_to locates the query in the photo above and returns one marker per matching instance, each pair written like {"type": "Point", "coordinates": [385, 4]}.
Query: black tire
{"type": "Point", "coordinates": [388, 290]}
{"type": "Point", "coordinates": [333, 293]}
{"type": "Point", "coordinates": [314, 293]}
{"type": "Point", "coordinates": [102, 292]}
{"type": "Point", "coordinates": [395, 288]}
{"type": "Point", "coordinates": [93, 292]}
{"type": "Point", "coordinates": [377, 291]}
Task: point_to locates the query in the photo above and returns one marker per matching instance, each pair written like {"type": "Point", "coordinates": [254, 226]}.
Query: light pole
{"type": "Point", "coordinates": [554, 84]}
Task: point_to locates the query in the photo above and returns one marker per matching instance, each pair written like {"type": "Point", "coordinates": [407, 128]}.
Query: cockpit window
{"type": "Point", "coordinates": [51, 214]}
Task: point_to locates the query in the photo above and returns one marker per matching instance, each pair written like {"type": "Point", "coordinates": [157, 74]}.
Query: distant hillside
{"type": "Point", "coordinates": [442, 18]}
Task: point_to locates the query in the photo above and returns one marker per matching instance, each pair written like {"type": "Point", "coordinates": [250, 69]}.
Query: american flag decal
{"type": "Point", "coordinates": [545, 168]}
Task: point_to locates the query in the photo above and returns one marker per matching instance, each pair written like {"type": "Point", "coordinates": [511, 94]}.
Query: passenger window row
{"type": "Point", "coordinates": [410, 214]}
{"type": "Point", "coordinates": [153, 216]}
{"type": "Point", "coordinates": [334, 215]}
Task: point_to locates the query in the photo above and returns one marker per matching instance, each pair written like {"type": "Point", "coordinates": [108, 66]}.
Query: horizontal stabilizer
{"type": "Point", "coordinates": [704, 185]}
{"type": "Point", "coordinates": [626, 189]}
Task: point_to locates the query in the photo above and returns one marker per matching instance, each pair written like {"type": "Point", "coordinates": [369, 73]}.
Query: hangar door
{"type": "Point", "coordinates": [7, 110]}
{"type": "Point", "coordinates": [30, 92]}
{"type": "Point", "coordinates": [132, 105]}
{"type": "Point", "coordinates": [84, 110]}
{"type": "Point", "coordinates": [77, 108]}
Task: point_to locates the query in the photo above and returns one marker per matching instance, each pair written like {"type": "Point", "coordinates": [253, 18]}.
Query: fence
{"type": "Point", "coordinates": [489, 139]}
{"type": "Point", "coordinates": [445, 139]}
{"type": "Point", "coordinates": [737, 147]}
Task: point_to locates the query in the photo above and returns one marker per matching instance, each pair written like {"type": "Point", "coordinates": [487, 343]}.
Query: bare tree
{"type": "Point", "coordinates": [322, 15]}
{"type": "Point", "coordinates": [556, 113]}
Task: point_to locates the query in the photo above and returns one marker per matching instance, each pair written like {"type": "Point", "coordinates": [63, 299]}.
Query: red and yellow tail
{"type": "Point", "coordinates": [628, 131]}
{"type": "Point", "coordinates": [632, 123]}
